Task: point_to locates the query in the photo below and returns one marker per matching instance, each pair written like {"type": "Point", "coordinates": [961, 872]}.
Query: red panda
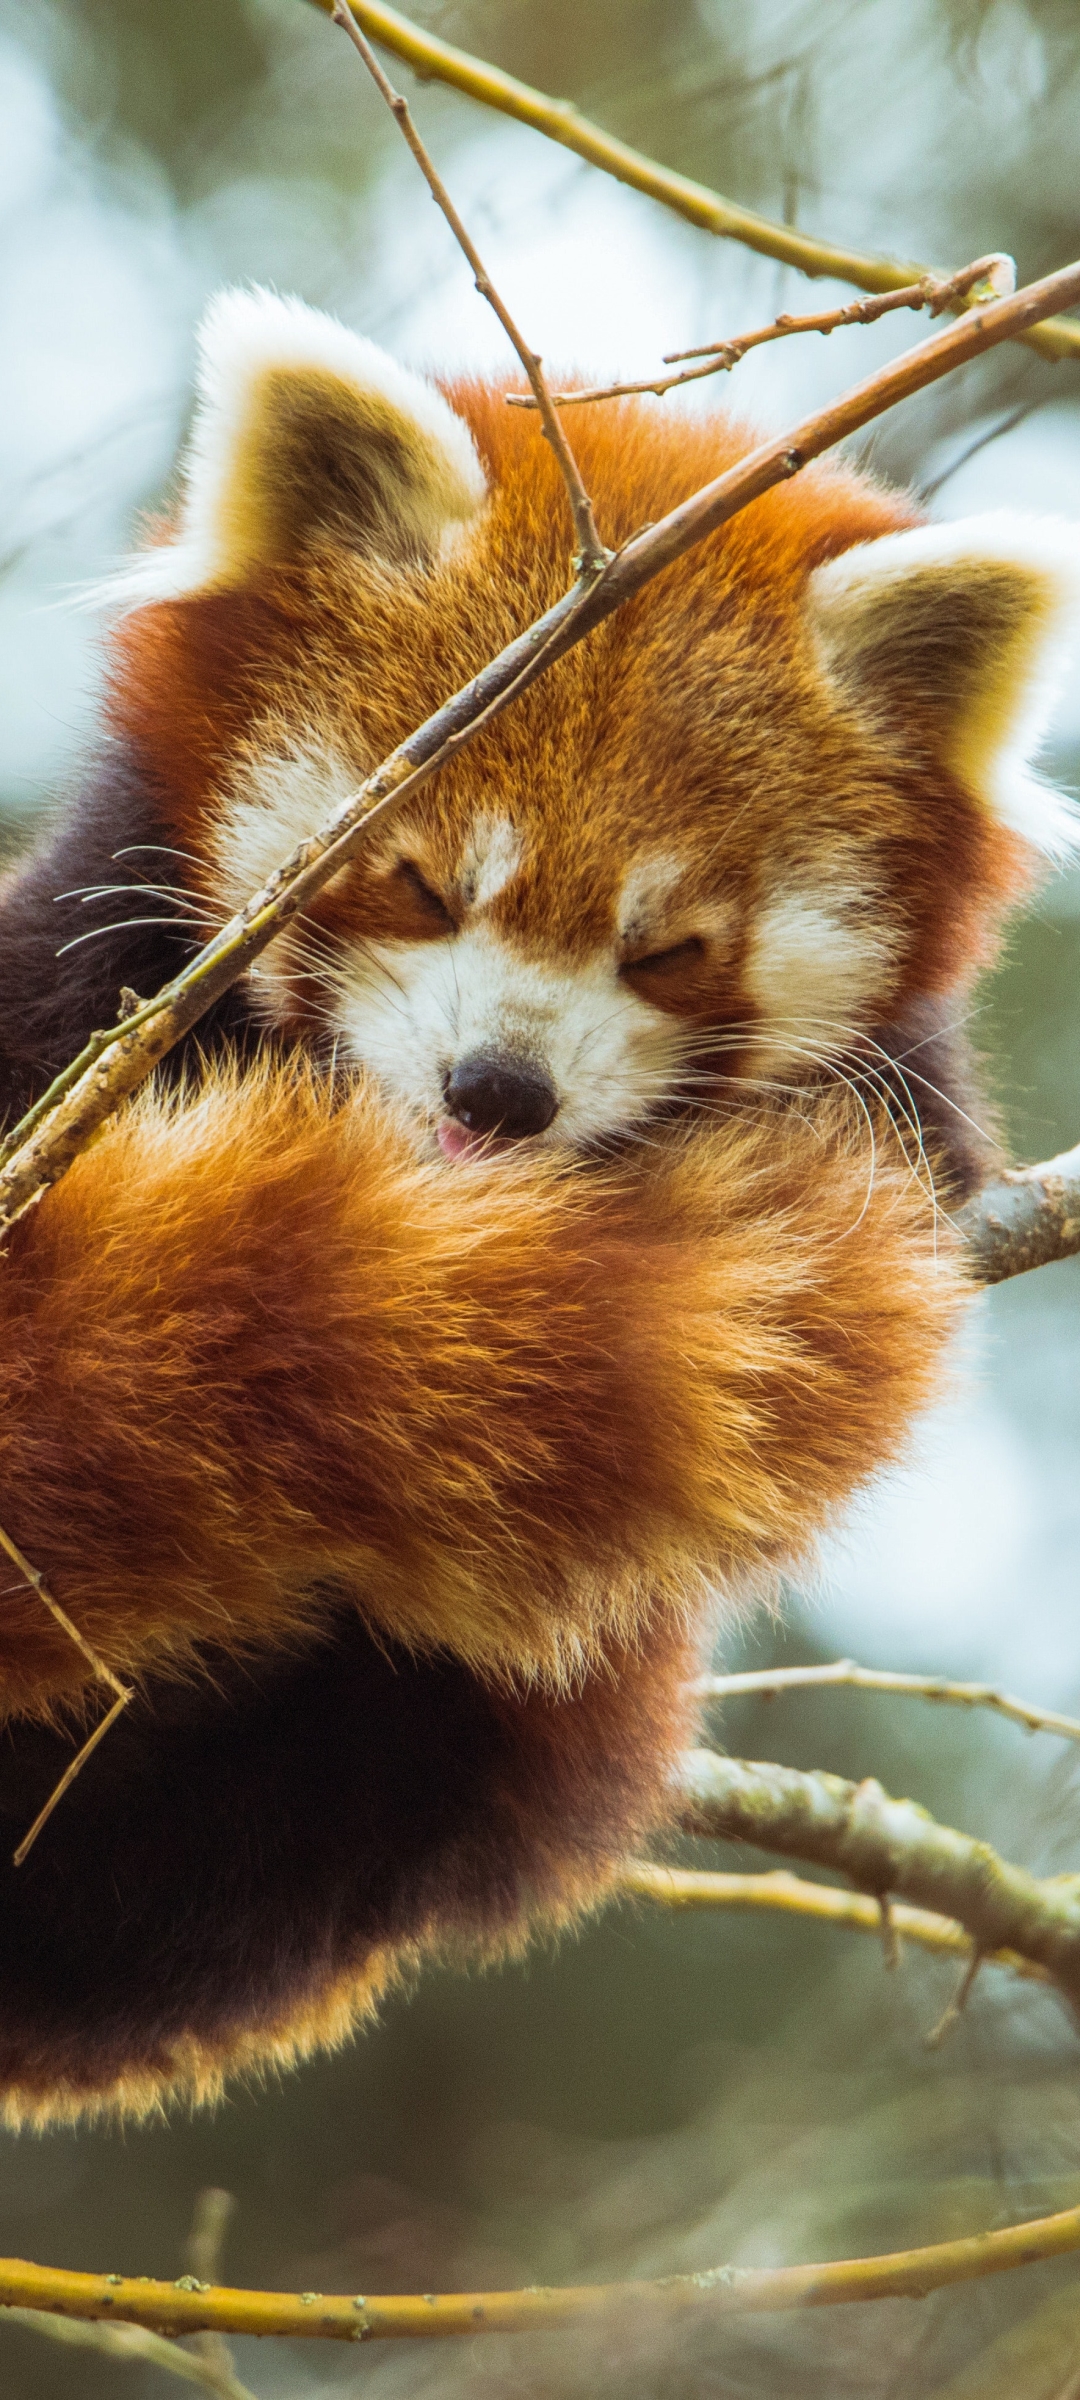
{"type": "Point", "coordinates": [536, 1246]}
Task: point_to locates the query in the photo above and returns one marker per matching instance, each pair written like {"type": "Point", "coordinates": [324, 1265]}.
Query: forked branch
{"type": "Point", "coordinates": [591, 553]}
{"type": "Point", "coordinates": [991, 278]}
{"type": "Point", "coordinates": [436, 61]}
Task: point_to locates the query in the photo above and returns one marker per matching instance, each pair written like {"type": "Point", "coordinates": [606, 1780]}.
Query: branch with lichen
{"type": "Point", "coordinates": [435, 61]}
{"type": "Point", "coordinates": [115, 1061]}
{"type": "Point", "coordinates": [1027, 1217]}
{"type": "Point", "coordinates": [889, 1849]}
{"type": "Point", "coordinates": [176, 2308]}
{"type": "Point", "coordinates": [208, 2363]}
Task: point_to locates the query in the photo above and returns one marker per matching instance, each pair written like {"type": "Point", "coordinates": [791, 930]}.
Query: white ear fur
{"type": "Point", "coordinates": [301, 425]}
{"type": "Point", "coordinates": [962, 633]}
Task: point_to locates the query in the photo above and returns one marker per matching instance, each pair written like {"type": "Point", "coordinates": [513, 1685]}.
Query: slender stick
{"type": "Point", "coordinates": [132, 2342]}
{"type": "Point", "coordinates": [779, 1892]}
{"type": "Point", "coordinates": [772, 1681]}
{"type": "Point", "coordinates": [723, 2291]}
{"type": "Point", "coordinates": [591, 552]}
{"type": "Point", "coordinates": [68, 1777]}
{"type": "Point", "coordinates": [436, 61]}
{"type": "Point", "coordinates": [993, 278]}
{"type": "Point", "coordinates": [40, 1150]}
{"type": "Point", "coordinates": [104, 1674]}
{"type": "Point", "coordinates": [37, 1583]}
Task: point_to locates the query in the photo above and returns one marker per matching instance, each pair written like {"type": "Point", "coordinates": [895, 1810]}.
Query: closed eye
{"type": "Point", "coordinates": [409, 873]}
{"type": "Point", "coordinates": [679, 955]}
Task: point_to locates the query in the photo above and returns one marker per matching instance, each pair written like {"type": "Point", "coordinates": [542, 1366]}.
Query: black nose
{"type": "Point", "coordinates": [493, 1092]}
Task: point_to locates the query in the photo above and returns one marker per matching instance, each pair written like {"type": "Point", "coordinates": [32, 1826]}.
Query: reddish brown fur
{"type": "Point", "coordinates": [250, 1342]}
{"type": "Point", "coordinates": [401, 1489]}
{"type": "Point", "coordinates": [698, 716]}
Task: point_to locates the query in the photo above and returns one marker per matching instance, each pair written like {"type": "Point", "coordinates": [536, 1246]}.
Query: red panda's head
{"type": "Point", "coordinates": [779, 797]}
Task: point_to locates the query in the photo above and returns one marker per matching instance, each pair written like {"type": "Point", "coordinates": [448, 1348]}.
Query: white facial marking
{"type": "Point", "coordinates": [410, 1011]}
{"type": "Point", "coordinates": [814, 963]}
{"type": "Point", "coordinates": [277, 802]}
{"type": "Point", "coordinates": [491, 861]}
{"type": "Point", "coordinates": [647, 886]}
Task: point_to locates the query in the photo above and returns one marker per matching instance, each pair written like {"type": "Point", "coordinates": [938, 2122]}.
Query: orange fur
{"type": "Point", "coordinates": [251, 1343]}
{"type": "Point", "coordinates": [404, 1489]}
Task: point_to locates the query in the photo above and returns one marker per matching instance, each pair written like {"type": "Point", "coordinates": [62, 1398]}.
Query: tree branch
{"type": "Point", "coordinates": [887, 1846]}
{"type": "Point", "coordinates": [134, 2342]}
{"type": "Point", "coordinates": [436, 61]}
{"type": "Point", "coordinates": [991, 278]}
{"type": "Point", "coordinates": [772, 1681]}
{"type": "Point", "coordinates": [725, 2291]}
{"type": "Point", "coordinates": [40, 1149]}
{"type": "Point", "coordinates": [1028, 1218]}
{"type": "Point", "coordinates": [794, 1896]}
{"type": "Point", "coordinates": [591, 552]}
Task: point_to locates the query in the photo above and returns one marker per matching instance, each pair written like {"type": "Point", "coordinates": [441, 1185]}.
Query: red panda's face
{"type": "Point", "coordinates": [747, 821]}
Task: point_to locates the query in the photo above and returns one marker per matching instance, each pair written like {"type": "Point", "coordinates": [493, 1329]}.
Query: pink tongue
{"type": "Point", "coordinates": [455, 1141]}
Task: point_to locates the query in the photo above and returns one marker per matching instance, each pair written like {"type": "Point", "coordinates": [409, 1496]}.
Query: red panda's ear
{"type": "Point", "coordinates": [957, 636]}
{"type": "Point", "coordinates": [305, 432]}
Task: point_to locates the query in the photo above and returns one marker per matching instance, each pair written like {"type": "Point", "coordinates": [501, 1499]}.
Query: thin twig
{"type": "Point", "coordinates": [36, 1580]}
{"type": "Point", "coordinates": [886, 1845]}
{"type": "Point", "coordinates": [724, 2291]}
{"type": "Point", "coordinates": [132, 2342]}
{"type": "Point", "coordinates": [591, 552]}
{"type": "Point", "coordinates": [771, 1682]}
{"type": "Point", "coordinates": [954, 2009]}
{"type": "Point", "coordinates": [437, 61]}
{"type": "Point", "coordinates": [780, 1892]}
{"type": "Point", "coordinates": [68, 1777]}
{"type": "Point", "coordinates": [37, 1583]}
{"type": "Point", "coordinates": [41, 1148]}
{"type": "Point", "coordinates": [992, 278]}
{"type": "Point", "coordinates": [210, 2220]}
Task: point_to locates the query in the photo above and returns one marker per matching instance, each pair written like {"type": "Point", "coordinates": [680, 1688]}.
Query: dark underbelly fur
{"type": "Point", "coordinates": [238, 1844]}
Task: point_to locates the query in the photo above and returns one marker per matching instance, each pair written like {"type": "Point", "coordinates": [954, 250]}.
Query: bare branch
{"type": "Point", "coordinates": [1028, 1218]}
{"type": "Point", "coordinates": [991, 278]}
{"type": "Point", "coordinates": [113, 1063]}
{"type": "Point", "coordinates": [436, 61]}
{"type": "Point", "coordinates": [134, 2342]}
{"type": "Point", "coordinates": [213, 2210]}
{"type": "Point", "coordinates": [591, 552]}
{"type": "Point", "coordinates": [724, 2291]}
{"type": "Point", "coordinates": [791, 1895]}
{"type": "Point", "coordinates": [886, 1845]}
{"type": "Point", "coordinates": [68, 1777]}
{"type": "Point", "coordinates": [772, 1681]}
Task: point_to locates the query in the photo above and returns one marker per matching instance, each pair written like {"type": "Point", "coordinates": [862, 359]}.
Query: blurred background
{"type": "Point", "coordinates": [663, 2093]}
